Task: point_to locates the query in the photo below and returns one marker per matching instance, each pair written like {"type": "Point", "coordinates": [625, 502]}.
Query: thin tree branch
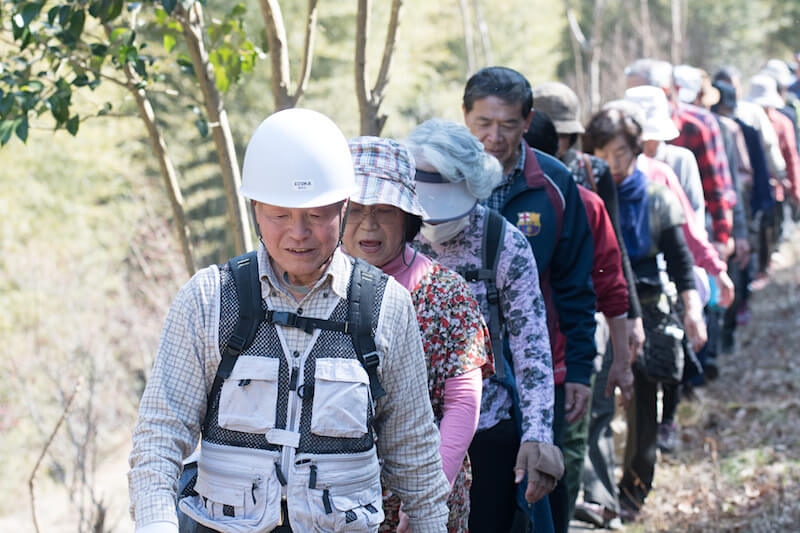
{"type": "Point", "coordinates": [278, 52]}
{"type": "Point", "coordinates": [308, 52]}
{"type": "Point", "coordinates": [388, 52]}
{"type": "Point", "coordinates": [49, 441]}
{"type": "Point", "coordinates": [362, 28]}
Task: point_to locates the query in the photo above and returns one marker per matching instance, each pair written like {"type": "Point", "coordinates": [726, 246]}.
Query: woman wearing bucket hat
{"type": "Point", "coordinates": [385, 215]}
{"type": "Point", "coordinates": [453, 173]}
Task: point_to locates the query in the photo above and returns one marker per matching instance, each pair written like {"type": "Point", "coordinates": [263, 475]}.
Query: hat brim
{"type": "Point", "coordinates": [666, 131]}
{"type": "Point", "coordinates": [567, 127]}
{"type": "Point", "coordinates": [372, 190]}
{"type": "Point", "coordinates": [768, 101]}
{"type": "Point", "coordinates": [445, 201]}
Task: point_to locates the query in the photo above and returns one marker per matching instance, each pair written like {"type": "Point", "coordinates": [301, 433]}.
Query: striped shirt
{"type": "Point", "coordinates": [174, 402]}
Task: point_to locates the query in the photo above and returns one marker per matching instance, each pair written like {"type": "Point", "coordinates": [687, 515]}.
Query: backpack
{"type": "Point", "coordinates": [361, 300]}
{"type": "Point", "coordinates": [494, 231]}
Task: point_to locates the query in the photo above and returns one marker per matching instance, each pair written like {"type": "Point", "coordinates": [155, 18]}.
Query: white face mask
{"type": "Point", "coordinates": [444, 231]}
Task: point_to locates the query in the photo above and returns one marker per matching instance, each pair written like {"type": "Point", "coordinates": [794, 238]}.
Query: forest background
{"type": "Point", "coordinates": [123, 125]}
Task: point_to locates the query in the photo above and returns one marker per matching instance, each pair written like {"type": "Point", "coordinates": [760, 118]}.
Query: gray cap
{"type": "Point", "coordinates": [561, 105]}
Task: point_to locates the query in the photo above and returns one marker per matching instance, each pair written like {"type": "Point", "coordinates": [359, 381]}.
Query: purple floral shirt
{"type": "Point", "coordinates": [524, 320]}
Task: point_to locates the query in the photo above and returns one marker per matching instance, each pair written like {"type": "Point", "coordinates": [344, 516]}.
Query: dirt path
{"type": "Point", "coordinates": [738, 464]}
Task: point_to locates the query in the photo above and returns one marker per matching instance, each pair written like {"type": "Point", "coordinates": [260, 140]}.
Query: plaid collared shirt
{"type": "Point", "coordinates": [500, 194]}
{"type": "Point", "coordinates": [695, 136]}
{"type": "Point", "coordinates": [174, 402]}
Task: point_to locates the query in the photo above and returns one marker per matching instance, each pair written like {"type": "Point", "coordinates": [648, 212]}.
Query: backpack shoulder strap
{"type": "Point", "coordinates": [363, 290]}
{"type": "Point", "coordinates": [494, 231]}
{"type": "Point", "coordinates": [589, 172]}
{"type": "Point", "coordinates": [248, 290]}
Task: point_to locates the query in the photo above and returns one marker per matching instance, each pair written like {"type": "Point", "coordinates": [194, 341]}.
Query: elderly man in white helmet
{"type": "Point", "coordinates": [295, 365]}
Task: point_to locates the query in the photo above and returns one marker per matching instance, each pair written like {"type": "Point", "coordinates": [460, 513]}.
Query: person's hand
{"type": "Point", "coordinates": [620, 375]}
{"type": "Point", "coordinates": [726, 290]}
{"type": "Point", "coordinates": [576, 401]}
{"type": "Point", "coordinates": [695, 329]}
{"type": "Point", "coordinates": [544, 465]}
{"type": "Point", "coordinates": [743, 252]}
{"type": "Point", "coordinates": [402, 525]}
{"type": "Point", "coordinates": [724, 249]}
{"type": "Point", "coordinates": [635, 336]}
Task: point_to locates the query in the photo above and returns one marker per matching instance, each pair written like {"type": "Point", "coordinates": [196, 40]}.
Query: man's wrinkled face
{"type": "Point", "coordinates": [499, 126]}
{"type": "Point", "coordinates": [299, 241]}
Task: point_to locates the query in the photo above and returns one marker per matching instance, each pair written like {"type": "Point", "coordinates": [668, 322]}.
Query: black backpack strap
{"type": "Point", "coordinates": [363, 289]}
{"type": "Point", "coordinates": [494, 231]}
{"type": "Point", "coordinates": [248, 289]}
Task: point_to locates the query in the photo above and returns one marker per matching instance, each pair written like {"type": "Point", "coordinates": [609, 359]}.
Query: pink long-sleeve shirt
{"type": "Point", "coordinates": [704, 254]}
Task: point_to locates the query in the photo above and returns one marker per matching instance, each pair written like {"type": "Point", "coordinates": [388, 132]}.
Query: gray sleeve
{"type": "Point", "coordinates": [408, 439]}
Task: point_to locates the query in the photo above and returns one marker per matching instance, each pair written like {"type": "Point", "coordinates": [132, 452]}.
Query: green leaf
{"type": "Point", "coordinates": [140, 68]}
{"type": "Point", "coordinates": [169, 42]}
{"type": "Point", "coordinates": [76, 22]}
{"type": "Point", "coordinates": [202, 126]}
{"type": "Point", "coordinates": [81, 80]}
{"type": "Point", "coordinates": [22, 129]}
{"type": "Point", "coordinates": [72, 125]}
{"type": "Point", "coordinates": [105, 110]}
{"type": "Point", "coordinates": [95, 83]}
{"type": "Point", "coordinates": [116, 33]}
{"type": "Point", "coordinates": [63, 15]}
{"type": "Point", "coordinates": [7, 130]}
{"type": "Point", "coordinates": [52, 14]}
{"type": "Point", "coordinates": [98, 49]}
{"type": "Point", "coordinates": [29, 12]}
{"type": "Point", "coordinates": [185, 64]}
{"type": "Point", "coordinates": [238, 10]}
{"type": "Point", "coordinates": [221, 76]}
{"type": "Point", "coordinates": [161, 16]}
{"type": "Point", "coordinates": [6, 103]}
{"type": "Point", "coordinates": [131, 38]}
{"type": "Point", "coordinates": [169, 5]}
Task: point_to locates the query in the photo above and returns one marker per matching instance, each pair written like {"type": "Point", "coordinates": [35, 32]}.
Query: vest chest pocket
{"type": "Point", "coordinates": [341, 396]}
{"type": "Point", "coordinates": [249, 397]}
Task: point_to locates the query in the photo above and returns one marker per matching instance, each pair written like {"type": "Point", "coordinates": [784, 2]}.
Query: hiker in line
{"type": "Point", "coordinates": [610, 284]}
{"type": "Point", "coordinates": [385, 216]}
{"type": "Point", "coordinates": [539, 196]}
{"type": "Point", "coordinates": [292, 430]}
{"type": "Point", "coordinates": [514, 437]}
{"type": "Point", "coordinates": [651, 220]}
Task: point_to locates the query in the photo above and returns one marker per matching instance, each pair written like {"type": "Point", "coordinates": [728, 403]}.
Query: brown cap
{"type": "Point", "coordinates": [561, 104]}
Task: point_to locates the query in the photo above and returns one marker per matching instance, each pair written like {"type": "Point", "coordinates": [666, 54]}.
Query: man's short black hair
{"type": "Point", "coordinates": [506, 84]}
{"type": "Point", "coordinates": [542, 133]}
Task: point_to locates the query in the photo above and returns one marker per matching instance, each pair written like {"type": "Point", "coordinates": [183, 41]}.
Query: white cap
{"type": "Point", "coordinates": [779, 71]}
{"type": "Point", "coordinates": [764, 92]}
{"type": "Point", "coordinates": [658, 124]}
{"type": "Point", "coordinates": [297, 158]}
{"type": "Point", "coordinates": [689, 82]}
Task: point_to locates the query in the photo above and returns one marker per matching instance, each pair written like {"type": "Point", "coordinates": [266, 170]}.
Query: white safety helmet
{"type": "Point", "coordinates": [297, 158]}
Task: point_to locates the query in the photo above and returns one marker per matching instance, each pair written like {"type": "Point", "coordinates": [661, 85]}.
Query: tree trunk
{"type": "Point", "coordinates": [469, 39]}
{"type": "Point", "coordinates": [648, 46]}
{"type": "Point", "coordinates": [279, 53]}
{"type": "Point", "coordinates": [167, 171]}
{"type": "Point", "coordinates": [579, 45]}
{"type": "Point", "coordinates": [165, 165]}
{"type": "Point", "coordinates": [483, 28]}
{"type": "Point", "coordinates": [221, 131]}
{"type": "Point", "coordinates": [369, 102]}
{"type": "Point", "coordinates": [676, 50]}
{"type": "Point", "coordinates": [595, 95]}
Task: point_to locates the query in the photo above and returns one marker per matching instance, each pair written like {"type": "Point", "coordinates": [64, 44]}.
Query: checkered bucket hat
{"type": "Point", "coordinates": [384, 174]}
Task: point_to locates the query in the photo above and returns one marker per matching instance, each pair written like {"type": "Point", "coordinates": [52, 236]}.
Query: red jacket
{"type": "Point", "coordinates": [607, 275]}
